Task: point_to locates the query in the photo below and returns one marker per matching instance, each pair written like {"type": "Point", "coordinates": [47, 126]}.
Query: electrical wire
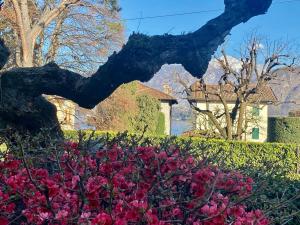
{"type": "Point", "coordinates": [195, 12]}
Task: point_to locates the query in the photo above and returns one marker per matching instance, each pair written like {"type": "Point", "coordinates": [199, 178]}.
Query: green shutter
{"type": "Point", "coordinates": [255, 111]}
{"type": "Point", "coordinates": [255, 133]}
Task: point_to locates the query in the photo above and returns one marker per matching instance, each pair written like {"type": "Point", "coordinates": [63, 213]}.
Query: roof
{"type": "Point", "coordinates": [294, 113]}
{"type": "Point", "coordinates": [143, 89]}
{"type": "Point", "coordinates": [266, 95]}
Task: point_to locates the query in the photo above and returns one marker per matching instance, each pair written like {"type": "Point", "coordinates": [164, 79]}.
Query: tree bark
{"type": "Point", "coordinates": [241, 120]}
{"type": "Point", "coordinates": [24, 22]}
{"type": "Point", "coordinates": [229, 123]}
{"type": "Point", "coordinates": [4, 54]}
{"type": "Point", "coordinates": [22, 104]}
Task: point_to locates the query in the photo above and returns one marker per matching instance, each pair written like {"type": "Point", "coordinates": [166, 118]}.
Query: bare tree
{"type": "Point", "coordinates": [64, 31]}
{"type": "Point", "coordinates": [239, 88]}
{"type": "Point", "coordinates": [24, 108]}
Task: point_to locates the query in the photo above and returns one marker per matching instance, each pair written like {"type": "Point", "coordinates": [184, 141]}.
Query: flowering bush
{"type": "Point", "coordinates": [114, 185]}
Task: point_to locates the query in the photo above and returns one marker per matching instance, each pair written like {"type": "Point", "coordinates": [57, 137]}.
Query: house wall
{"type": "Point", "coordinates": [66, 111]}
{"type": "Point", "coordinates": [165, 108]}
{"type": "Point", "coordinates": [261, 121]}
{"type": "Point", "coordinates": [262, 125]}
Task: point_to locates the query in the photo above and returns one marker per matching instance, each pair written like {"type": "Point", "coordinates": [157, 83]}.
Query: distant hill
{"type": "Point", "coordinates": [169, 75]}
{"type": "Point", "coordinates": [287, 89]}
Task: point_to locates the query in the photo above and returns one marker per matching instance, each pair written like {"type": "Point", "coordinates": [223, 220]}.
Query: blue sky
{"type": "Point", "coordinates": [281, 22]}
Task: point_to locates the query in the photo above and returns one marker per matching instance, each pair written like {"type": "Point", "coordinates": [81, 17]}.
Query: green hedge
{"type": "Point", "coordinates": [160, 128]}
{"type": "Point", "coordinates": [284, 129]}
{"type": "Point", "coordinates": [272, 158]}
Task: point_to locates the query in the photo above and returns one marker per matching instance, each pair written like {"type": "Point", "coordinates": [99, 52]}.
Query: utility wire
{"type": "Point", "coordinates": [196, 12]}
{"type": "Point", "coordinates": [174, 14]}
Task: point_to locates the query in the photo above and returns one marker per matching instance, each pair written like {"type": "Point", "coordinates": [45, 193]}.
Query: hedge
{"type": "Point", "coordinates": [160, 128]}
{"type": "Point", "coordinates": [284, 129]}
{"type": "Point", "coordinates": [269, 158]}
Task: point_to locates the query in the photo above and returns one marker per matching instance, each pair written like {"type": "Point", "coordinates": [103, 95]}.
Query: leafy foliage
{"type": "Point", "coordinates": [160, 128]}
{"type": "Point", "coordinates": [270, 158]}
{"type": "Point", "coordinates": [147, 116]}
{"type": "Point", "coordinates": [284, 129]}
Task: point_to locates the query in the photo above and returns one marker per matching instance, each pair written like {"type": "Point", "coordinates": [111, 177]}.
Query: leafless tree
{"type": "Point", "coordinates": [74, 33]}
{"type": "Point", "coordinates": [239, 88]}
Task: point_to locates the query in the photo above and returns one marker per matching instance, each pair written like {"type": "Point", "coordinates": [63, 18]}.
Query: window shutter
{"type": "Point", "coordinates": [255, 133]}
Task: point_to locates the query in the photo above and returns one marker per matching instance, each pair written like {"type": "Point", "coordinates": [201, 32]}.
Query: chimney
{"type": "Point", "coordinates": [167, 89]}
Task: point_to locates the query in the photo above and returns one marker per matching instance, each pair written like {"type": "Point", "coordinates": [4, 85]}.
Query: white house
{"type": "Point", "coordinates": [166, 102]}
{"type": "Point", "coordinates": [66, 111]}
{"type": "Point", "coordinates": [256, 116]}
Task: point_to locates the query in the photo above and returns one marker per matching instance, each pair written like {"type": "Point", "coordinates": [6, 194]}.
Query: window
{"type": "Point", "coordinates": [255, 111]}
{"type": "Point", "coordinates": [255, 133]}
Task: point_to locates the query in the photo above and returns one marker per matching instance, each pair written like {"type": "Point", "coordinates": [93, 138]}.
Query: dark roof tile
{"type": "Point", "coordinates": [265, 95]}
{"type": "Point", "coordinates": [143, 89]}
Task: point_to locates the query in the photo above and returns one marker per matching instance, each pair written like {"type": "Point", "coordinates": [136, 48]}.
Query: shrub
{"type": "Point", "coordinates": [160, 128]}
{"type": "Point", "coordinates": [284, 129]}
{"type": "Point", "coordinates": [270, 158]}
{"type": "Point", "coordinates": [147, 116]}
{"type": "Point", "coordinates": [272, 165]}
{"type": "Point", "coordinates": [114, 185]}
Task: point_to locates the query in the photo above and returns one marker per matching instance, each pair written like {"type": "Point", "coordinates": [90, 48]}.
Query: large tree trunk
{"type": "Point", "coordinates": [23, 107]}
{"type": "Point", "coordinates": [27, 53]}
{"type": "Point", "coordinates": [241, 120]}
{"type": "Point", "coordinates": [229, 127]}
{"type": "Point", "coordinates": [24, 29]}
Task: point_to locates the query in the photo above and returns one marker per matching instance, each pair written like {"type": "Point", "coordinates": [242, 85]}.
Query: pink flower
{"type": "Point", "coordinates": [85, 215]}
{"type": "Point", "coordinates": [4, 221]}
{"type": "Point", "coordinates": [136, 185]}
{"type": "Point", "coordinates": [75, 180]}
{"type": "Point", "coordinates": [102, 219]}
{"type": "Point", "coordinates": [120, 222]}
{"type": "Point", "coordinates": [61, 214]}
{"type": "Point", "coordinates": [205, 209]}
{"type": "Point", "coordinates": [44, 215]}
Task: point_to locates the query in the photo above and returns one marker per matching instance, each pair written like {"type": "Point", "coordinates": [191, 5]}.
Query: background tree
{"type": "Point", "coordinates": [147, 118]}
{"type": "Point", "coordinates": [246, 86]}
{"type": "Point", "coordinates": [114, 112]}
{"type": "Point", "coordinates": [74, 33]}
{"type": "Point", "coordinates": [126, 110]}
{"type": "Point", "coordinates": [24, 108]}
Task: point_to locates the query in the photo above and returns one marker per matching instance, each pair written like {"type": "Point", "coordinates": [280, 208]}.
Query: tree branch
{"type": "Point", "coordinates": [49, 15]}
{"type": "Point", "coordinates": [139, 59]}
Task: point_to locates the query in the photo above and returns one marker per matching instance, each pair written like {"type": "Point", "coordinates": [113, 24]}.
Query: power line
{"type": "Point", "coordinates": [195, 12]}
{"type": "Point", "coordinates": [174, 14]}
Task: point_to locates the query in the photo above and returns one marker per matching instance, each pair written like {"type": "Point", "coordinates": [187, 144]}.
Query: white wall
{"type": "Point", "coordinates": [65, 113]}
{"type": "Point", "coordinates": [165, 108]}
{"type": "Point", "coordinates": [260, 122]}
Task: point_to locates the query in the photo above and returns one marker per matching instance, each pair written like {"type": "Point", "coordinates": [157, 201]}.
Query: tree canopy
{"type": "Point", "coordinates": [75, 34]}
